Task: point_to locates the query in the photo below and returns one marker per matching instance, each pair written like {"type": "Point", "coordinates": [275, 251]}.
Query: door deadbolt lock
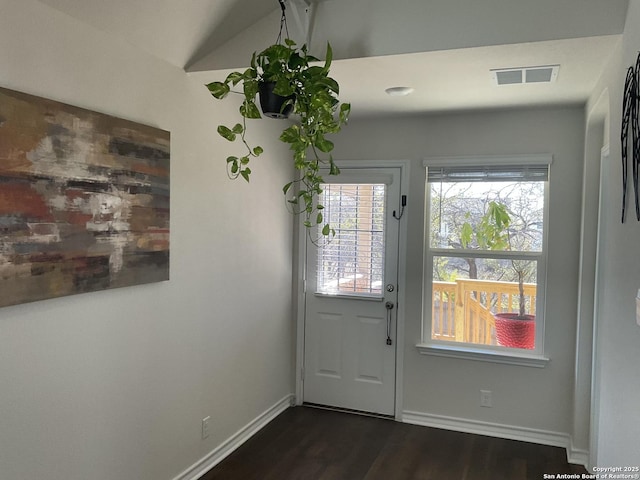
{"type": "Point", "coordinates": [390, 287]}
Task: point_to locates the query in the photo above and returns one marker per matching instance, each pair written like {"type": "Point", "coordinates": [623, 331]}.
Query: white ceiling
{"type": "Point", "coordinates": [461, 79]}
{"type": "Point", "coordinates": [444, 49]}
{"type": "Point", "coordinates": [173, 30]}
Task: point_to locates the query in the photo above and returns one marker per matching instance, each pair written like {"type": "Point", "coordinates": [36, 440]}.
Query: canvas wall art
{"type": "Point", "coordinates": [84, 200]}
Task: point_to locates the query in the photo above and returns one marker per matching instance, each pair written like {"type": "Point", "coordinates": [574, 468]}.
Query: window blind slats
{"type": "Point", "coordinates": [496, 173]}
{"type": "Point", "coordinates": [353, 261]}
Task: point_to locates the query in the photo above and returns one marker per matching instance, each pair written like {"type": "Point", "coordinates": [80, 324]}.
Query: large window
{"type": "Point", "coordinates": [485, 255]}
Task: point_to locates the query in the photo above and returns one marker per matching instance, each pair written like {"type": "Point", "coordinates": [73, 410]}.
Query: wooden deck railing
{"type": "Point", "coordinates": [462, 311]}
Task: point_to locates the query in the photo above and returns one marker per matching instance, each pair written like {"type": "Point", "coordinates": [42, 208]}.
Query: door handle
{"type": "Point", "coordinates": [389, 307]}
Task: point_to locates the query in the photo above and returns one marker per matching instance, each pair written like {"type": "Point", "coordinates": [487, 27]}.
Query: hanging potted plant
{"type": "Point", "coordinates": [287, 80]}
{"type": "Point", "coordinates": [515, 330]}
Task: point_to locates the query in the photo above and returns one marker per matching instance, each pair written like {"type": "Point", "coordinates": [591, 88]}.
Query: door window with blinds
{"type": "Point", "coordinates": [352, 262]}
{"type": "Point", "coordinates": [485, 253]}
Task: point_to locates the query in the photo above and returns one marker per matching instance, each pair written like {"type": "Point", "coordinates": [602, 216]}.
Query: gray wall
{"type": "Point", "coordinates": [113, 385]}
{"type": "Point", "coordinates": [617, 345]}
{"type": "Point", "coordinates": [523, 397]}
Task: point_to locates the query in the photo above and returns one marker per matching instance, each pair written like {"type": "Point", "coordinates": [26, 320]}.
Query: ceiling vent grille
{"type": "Point", "coordinates": [515, 76]}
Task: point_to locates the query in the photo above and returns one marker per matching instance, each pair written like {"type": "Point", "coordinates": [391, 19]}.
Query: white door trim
{"type": "Point", "coordinates": [594, 426]}
{"type": "Point", "coordinates": [300, 275]}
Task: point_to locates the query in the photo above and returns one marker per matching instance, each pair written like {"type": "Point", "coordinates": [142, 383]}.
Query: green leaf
{"type": "Point", "coordinates": [218, 89]}
{"type": "Point", "coordinates": [237, 129]}
{"type": "Point", "coordinates": [323, 144]}
{"type": "Point", "coordinates": [345, 110]}
{"type": "Point", "coordinates": [498, 212]}
{"type": "Point", "coordinates": [290, 43]}
{"type": "Point", "coordinates": [234, 167]}
{"type": "Point", "coordinates": [286, 188]}
{"type": "Point", "coordinates": [245, 173]}
{"type": "Point", "coordinates": [234, 78]}
{"type": "Point", "coordinates": [466, 234]}
{"type": "Point", "coordinates": [244, 160]}
{"type": "Point", "coordinates": [300, 159]}
{"type": "Point", "coordinates": [258, 151]}
{"type": "Point", "coordinates": [328, 57]}
{"type": "Point", "coordinates": [250, 74]}
{"type": "Point", "coordinates": [326, 229]}
{"type": "Point", "coordinates": [273, 53]}
{"type": "Point", "coordinates": [319, 217]}
{"type": "Point", "coordinates": [331, 84]}
{"type": "Point", "coordinates": [291, 134]}
{"type": "Point", "coordinates": [232, 159]}
{"type": "Point", "coordinates": [250, 89]}
{"type": "Point", "coordinates": [284, 87]}
{"type": "Point", "coordinates": [307, 223]}
{"type": "Point", "coordinates": [296, 62]}
{"type": "Point", "coordinates": [314, 72]}
{"type": "Point", "coordinates": [248, 109]}
{"type": "Point", "coordinates": [225, 132]}
{"type": "Point", "coordinates": [491, 232]}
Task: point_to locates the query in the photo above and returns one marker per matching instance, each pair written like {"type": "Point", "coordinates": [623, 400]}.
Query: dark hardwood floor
{"type": "Point", "coordinates": [307, 444]}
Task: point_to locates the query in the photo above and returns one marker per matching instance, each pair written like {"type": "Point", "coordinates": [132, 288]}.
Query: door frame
{"type": "Point", "coordinates": [594, 425]}
{"type": "Point", "coordinates": [299, 271]}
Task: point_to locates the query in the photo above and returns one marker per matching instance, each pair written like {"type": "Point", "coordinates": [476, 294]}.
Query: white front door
{"type": "Point", "coordinates": [351, 295]}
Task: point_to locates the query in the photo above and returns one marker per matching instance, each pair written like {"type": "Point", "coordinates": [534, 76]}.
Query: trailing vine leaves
{"type": "Point", "coordinates": [315, 101]}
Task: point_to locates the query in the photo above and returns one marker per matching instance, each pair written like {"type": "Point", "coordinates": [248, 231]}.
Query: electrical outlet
{"type": "Point", "coordinates": [485, 398]}
{"type": "Point", "coordinates": [205, 427]}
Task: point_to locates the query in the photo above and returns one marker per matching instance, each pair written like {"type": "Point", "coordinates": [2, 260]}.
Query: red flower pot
{"type": "Point", "coordinates": [515, 332]}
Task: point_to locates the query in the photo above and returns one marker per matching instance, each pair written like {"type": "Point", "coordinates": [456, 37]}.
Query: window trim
{"type": "Point", "coordinates": [468, 352]}
{"type": "Point", "coordinates": [495, 354]}
{"type": "Point", "coordinates": [483, 160]}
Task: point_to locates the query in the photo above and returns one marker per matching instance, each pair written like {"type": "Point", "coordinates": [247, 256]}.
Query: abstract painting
{"type": "Point", "coordinates": [84, 200]}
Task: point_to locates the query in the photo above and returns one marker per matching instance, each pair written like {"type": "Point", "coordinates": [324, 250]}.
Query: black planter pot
{"type": "Point", "coordinates": [271, 103]}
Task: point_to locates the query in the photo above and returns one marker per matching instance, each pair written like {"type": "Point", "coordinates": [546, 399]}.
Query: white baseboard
{"type": "Point", "coordinates": [227, 447]}
{"type": "Point", "coordinates": [544, 437]}
{"type": "Point", "coordinates": [578, 456]}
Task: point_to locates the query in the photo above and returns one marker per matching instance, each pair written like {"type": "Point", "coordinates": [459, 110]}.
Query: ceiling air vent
{"type": "Point", "coordinates": [514, 76]}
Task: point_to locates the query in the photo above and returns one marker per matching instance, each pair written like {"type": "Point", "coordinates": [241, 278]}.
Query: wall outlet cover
{"type": "Point", "coordinates": [485, 398]}
{"type": "Point", "coordinates": [205, 427]}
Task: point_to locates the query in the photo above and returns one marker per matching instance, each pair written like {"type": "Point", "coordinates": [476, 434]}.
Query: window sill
{"type": "Point", "coordinates": [520, 359]}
